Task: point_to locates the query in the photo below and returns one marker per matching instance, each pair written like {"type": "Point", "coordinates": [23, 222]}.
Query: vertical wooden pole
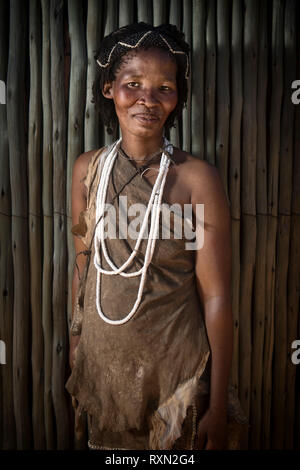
{"type": "Point", "coordinates": [47, 152]}
{"type": "Point", "coordinates": [248, 201]}
{"type": "Point", "coordinates": [35, 223]}
{"type": "Point", "coordinates": [7, 422]}
{"type": "Point", "coordinates": [93, 130]}
{"type": "Point", "coordinates": [210, 81]}
{"type": "Point", "coordinates": [77, 98]}
{"type": "Point", "coordinates": [258, 321]}
{"type": "Point", "coordinates": [60, 326]}
{"type": "Point", "coordinates": [223, 91]}
{"type": "Point", "coordinates": [235, 175]}
{"type": "Point", "coordinates": [16, 117]}
{"type": "Point", "coordinates": [126, 12]}
{"type": "Point", "coordinates": [197, 80]}
{"type": "Point", "coordinates": [281, 347]}
{"type": "Point", "coordinates": [186, 114]}
{"type": "Point", "coordinates": [144, 11]}
{"type": "Point", "coordinates": [273, 167]}
{"type": "Point", "coordinates": [77, 101]}
{"type": "Point", "coordinates": [291, 418]}
{"type": "Point", "coordinates": [159, 12]}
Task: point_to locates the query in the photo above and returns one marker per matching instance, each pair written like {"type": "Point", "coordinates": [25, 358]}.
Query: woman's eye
{"type": "Point", "coordinates": [165, 88]}
{"type": "Point", "coordinates": [132, 84]}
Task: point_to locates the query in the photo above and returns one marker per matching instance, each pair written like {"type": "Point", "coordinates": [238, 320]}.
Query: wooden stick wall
{"type": "Point", "coordinates": [240, 117]}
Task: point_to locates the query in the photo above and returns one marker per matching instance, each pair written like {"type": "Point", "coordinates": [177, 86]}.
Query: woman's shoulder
{"type": "Point", "coordinates": [206, 187]}
{"type": "Point", "coordinates": [201, 176]}
{"type": "Point", "coordinates": [202, 167]}
{"type": "Point", "coordinates": [84, 160]}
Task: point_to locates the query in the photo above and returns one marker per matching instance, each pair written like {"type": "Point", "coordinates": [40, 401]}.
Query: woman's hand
{"type": "Point", "coordinates": [212, 430]}
{"type": "Point", "coordinates": [74, 340]}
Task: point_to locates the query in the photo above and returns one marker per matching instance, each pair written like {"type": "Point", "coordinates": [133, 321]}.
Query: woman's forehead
{"type": "Point", "coordinates": [139, 61]}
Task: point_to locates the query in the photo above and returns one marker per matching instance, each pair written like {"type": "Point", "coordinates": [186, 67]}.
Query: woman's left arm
{"type": "Point", "coordinates": [213, 275]}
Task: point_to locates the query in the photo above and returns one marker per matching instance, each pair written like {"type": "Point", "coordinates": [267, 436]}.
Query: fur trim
{"type": "Point", "coordinates": [166, 422]}
{"type": "Point", "coordinates": [168, 418]}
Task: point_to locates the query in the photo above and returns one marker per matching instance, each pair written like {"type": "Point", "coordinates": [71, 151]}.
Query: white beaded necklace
{"type": "Point", "coordinates": [154, 206]}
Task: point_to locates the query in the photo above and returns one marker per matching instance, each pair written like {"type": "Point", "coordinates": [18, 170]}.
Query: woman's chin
{"type": "Point", "coordinates": [146, 131]}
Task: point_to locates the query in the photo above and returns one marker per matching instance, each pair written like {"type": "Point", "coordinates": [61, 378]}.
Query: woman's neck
{"type": "Point", "coordinates": [139, 148]}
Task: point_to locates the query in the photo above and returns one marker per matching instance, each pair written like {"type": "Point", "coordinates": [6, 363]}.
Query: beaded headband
{"type": "Point", "coordinates": [149, 38]}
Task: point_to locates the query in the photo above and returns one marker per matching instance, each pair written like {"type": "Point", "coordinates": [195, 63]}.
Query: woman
{"type": "Point", "coordinates": [151, 336]}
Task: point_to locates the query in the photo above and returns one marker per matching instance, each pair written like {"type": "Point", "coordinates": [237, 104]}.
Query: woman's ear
{"type": "Point", "coordinates": [107, 90]}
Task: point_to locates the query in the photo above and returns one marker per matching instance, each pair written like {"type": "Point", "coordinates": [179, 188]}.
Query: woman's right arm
{"type": "Point", "coordinates": [79, 203]}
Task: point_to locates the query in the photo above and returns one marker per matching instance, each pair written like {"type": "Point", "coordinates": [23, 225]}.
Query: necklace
{"type": "Point", "coordinates": [154, 206]}
{"type": "Point", "coordinates": [122, 153]}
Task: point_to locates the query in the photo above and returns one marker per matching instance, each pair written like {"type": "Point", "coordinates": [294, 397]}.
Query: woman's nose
{"type": "Point", "coordinates": [148, 97]}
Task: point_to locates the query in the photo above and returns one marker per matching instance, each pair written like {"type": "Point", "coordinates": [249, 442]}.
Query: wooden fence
{"type": "Point", "coordinates": [240, 117]}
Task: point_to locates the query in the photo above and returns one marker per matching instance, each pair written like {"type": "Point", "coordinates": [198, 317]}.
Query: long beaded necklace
{"type": "Point", "coordinates": [154, 206]}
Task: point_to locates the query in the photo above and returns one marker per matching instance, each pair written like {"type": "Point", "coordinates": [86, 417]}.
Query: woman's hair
{"type": "Point", "coordinates": [135, 37]}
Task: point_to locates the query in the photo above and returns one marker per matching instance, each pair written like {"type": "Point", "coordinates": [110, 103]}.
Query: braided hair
{"type": "Point", "coordinates": [133, 37]}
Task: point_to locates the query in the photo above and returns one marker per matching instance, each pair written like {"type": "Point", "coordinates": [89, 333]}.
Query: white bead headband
{"type": "Point", "coordinates": [138, 43]}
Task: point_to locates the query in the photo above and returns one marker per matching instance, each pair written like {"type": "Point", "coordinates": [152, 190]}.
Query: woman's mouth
{"type": "Point", "coordinates": [146, 118]}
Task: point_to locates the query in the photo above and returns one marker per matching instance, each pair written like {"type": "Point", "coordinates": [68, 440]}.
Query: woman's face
{"type": "Point", "coordinates": [144, 92]}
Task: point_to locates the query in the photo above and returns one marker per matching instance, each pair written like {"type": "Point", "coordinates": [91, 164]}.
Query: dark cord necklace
{"type": "Point", "coordinates": [147, 160]}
